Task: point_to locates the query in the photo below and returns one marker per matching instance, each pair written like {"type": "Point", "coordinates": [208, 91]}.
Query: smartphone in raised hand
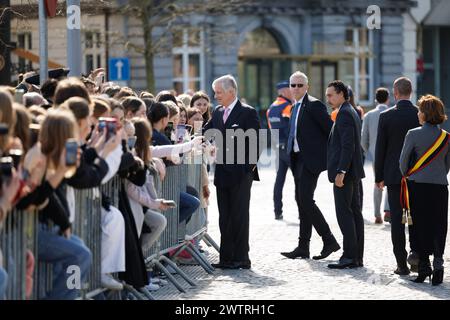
{"type": "Point", "coordinates": [71, 152]}
{"type": "Point", "coordinates": [181, 132]}
{"type": "Point", "coordinates": [131, 142]}
{"type": "Point", "coordinates": [168, 131]}
{"type": "Point", "coordinates": [18, 95]}
{"type": "Point", "coordinates": [71, 157]}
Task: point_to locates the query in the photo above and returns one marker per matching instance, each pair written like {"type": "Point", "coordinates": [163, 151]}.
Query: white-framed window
{"type": "Point", "coordinates": [188, 60]}
{"type": "Point", "coordinates": [24, 41]}
{"type": "Point", "coordinates": [93, 51]}
{"type": "Point", "coordinates": [359, 72]}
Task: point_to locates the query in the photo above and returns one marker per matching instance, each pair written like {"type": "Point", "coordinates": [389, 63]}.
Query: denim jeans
{"type": "Point", "coordinates": [188, 205]}
{"type": "Point", "coordinates": [3, 283]}
{"type": "Point", "coordinates": [63, 253]}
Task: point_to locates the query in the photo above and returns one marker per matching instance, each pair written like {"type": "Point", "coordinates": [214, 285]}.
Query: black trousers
{"type": "Point", "coordinates": [429, 211]}
{"type": "Point", "coordinates": [309, 213]}
{"type": "Point", "coordinates": [397, 228]}
{"type": "Point", "coordinates": [234, 203]}
{"type": "Point", "coordinates": [350, 219]}
{"type": "Point", "coordinates": [283, 164]}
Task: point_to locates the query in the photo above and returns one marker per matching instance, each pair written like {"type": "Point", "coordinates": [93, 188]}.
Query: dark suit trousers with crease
{"type": "Point", "coordinates": [309, 213]}
{"type": "Point", "coordinates": [350, 218]}
{"type": "Point", "coordinates": [398, 228]}
{"type": "Point", "coordinates": [234, 205]}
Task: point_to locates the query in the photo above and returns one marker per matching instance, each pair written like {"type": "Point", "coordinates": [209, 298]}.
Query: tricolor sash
{"type": "Point", "coordinates": [420, 164]}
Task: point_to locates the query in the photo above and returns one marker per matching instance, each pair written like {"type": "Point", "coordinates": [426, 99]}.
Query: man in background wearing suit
{"type": "Point", "coordinates": [368, 142]}
{"type": "Point", "coordinates": [309, 128]}
{"type": "Point", "coordinates": [393, 125]}
{"type": "Point", "coordinates": [232, 178]}
{"type": "Point", "coordinates": [345, 170]}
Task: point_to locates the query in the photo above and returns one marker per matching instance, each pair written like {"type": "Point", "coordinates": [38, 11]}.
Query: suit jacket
{"type": "Point", "coordinates": [417, 142]}
{"type": "Point", "coordinates": [313, 128]}
{"type": "Point", "coordinates": [242, 117]}
{"type": "Point", "coordinates": [344, 145]}
{"type": "Point", "coordinates": [369, 130]}
{"type": "Point", "coordinates": [393, 125]}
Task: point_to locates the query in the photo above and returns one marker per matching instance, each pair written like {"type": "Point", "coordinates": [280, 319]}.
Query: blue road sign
{"type": "Point", "coordinates": [119, 69]}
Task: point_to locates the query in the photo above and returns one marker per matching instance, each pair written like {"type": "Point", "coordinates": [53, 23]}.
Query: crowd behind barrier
{"type": "Point", "coordinates": [19, 235]}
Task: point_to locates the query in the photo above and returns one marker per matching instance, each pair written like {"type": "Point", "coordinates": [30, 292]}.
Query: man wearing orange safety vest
{"type": "Point", "coordinates": [278, 116]}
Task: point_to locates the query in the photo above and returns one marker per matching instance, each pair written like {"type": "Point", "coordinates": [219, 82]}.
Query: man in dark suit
{"type": "Point", "coordinates": [309, 128]}
{"type": "Point", "coordinates": [235, 127]}
{"type": "Point", "coordinates": [345, 170]}
{"type": "Point", "coordinates": [393, 125]}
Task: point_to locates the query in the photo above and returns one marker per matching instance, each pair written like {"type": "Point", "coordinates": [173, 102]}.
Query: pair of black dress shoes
{"type": "Point", "coordinates": [303, 252]}
{"type": "Point", "coordinates": [232, 265]}
{"type": "Point", "coordinates": [346, 263]}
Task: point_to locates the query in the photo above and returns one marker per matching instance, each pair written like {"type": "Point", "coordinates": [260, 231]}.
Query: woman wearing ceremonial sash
{"type": "Point", "coordinates": [424, 163]}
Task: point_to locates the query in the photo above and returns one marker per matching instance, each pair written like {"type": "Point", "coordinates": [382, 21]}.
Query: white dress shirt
{"type": "Point", "coordinates": [231, 106]}
{"type": "Point", "coordinates": [296, 147]}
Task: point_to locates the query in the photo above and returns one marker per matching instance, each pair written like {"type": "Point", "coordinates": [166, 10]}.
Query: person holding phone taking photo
{"type": "Point", "coordinates": [56, 244]}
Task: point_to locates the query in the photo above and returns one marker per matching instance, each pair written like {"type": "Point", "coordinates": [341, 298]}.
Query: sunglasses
{"type": "Point", "coordinates": [298, 85]}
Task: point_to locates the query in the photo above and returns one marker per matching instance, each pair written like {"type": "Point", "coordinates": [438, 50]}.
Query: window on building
{"type": "Point", "coordinates": [358, 72]}
{"type": "Point", "coordinates": [93, 51]}
{"type": "Point", "coordinates": [188, 60]}
{"type": "Point", "coordinates": [24, 41]}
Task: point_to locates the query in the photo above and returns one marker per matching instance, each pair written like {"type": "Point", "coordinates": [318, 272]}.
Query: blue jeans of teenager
{"type": "Point", "coordinates": [3, 283]}
{"type": "Point", "coordinates": [188, 205]}
{"type": "Point", "coordinates": [63, 253]}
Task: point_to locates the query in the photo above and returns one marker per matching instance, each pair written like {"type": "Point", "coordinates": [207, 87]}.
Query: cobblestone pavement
{"type": "Point", "coordinates": [275, 277]}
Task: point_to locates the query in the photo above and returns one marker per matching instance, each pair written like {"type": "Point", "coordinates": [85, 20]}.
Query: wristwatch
{"type": "Point", "coordinates": [342, 171]}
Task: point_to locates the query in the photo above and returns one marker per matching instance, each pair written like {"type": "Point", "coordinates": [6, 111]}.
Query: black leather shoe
{"type": "Point", "coordinates": [422, 276]}
{"type": "Point", "coordinates": [278, 217]}
{"type": "Point", "coordinates": [402, 271]}
{"type": "Point", "coordinates": [438, 277]}
{"type": "Point", "coordinates": [297, 253]}
{"type": "Point", "coordinates": [344, 264]}
{"type": "Point", "coordinates": [222, 265]}
{"type": "Point", "coordinates": [327, 250]}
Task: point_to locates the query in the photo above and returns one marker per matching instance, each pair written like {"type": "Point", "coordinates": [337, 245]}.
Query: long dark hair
{"type": "Point", "coordinates": [143, 132]}
{"type": "Point", "coordinates": [202, 95]}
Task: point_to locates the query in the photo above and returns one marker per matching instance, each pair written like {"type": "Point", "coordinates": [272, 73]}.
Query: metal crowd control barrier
{"type": "Point", "coordinates": [20, 230]}
{"type": "Point", "coordinates": [192, 231]}
{"type": "Point", "coordinates": [18, 235]}
{"type": "Point", "coordinates": [87, 226]}
{"type": "Point", "coordinates": [177, 236]}
{"type": "Point", "coordinates": [168, 241]}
